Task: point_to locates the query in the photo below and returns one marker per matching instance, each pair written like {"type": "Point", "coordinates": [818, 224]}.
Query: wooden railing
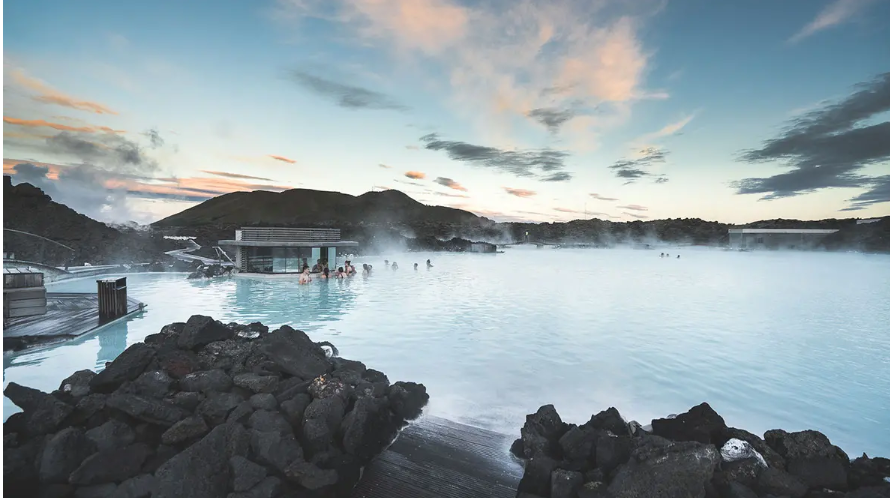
{"type": "Point", "coordinates": [257, 234]}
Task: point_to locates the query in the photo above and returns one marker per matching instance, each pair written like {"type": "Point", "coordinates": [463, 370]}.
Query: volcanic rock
{"type": "Point", "coordinates": [245, 474]}
{"type": "Point", "coordinates": [63, 453]}
{"type": "Point", "coordinates": [701, 423]}
{"type": "Point", "coordinates": [111, 434]}
{"type": "Point", "coordinates": [811, 457]}
{"type": "Point", "coordinates": [128, 366]}
{"type": "Point", "coordinates": [114, 465]}
{"type": "Point", "coordinates": [204, 381]}
{"type": "Point", "coordinates": [78, 384]}
{"type": "Point", "coordinates": [200, 471]}
{"type": "Point", "coordinates": [184, 430]}
{"type": "Point", "coordinates": [201, 330]}
{"type": "Point", "coordinates": [294, 353]}
{"type": "Point", "coordinates": [678, 469]}
{"type": "Point", "coordinates": [146, 409]}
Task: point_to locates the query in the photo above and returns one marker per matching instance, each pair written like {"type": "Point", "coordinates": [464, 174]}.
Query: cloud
{"type": "Point", "coordinates": [637, 216]}
{"type": "Point", "coordinates": [344, 95]}
{"type": "Point", "coordinates": [110, 152]}
{"type": "Point", "coordinates": [522, 163]}
{"type": "Point", "coordinates": [826, 147]}
{"type": "Point", "coordinates": [668, 130]}
{"type": "Point", "coordinates": [567, 210]}
{"type": "Point", "coordinates": [601, 198]}
{"type": "Point", "coordinates": [448, 182]}
{"type": "Point", "coordinates": [833, 14]}
{"type": "Point", "coordinates": [552, 117]}
{"type": "Point", "coordinates": [283, 159]}
{"type": "Point", "coordinates": [416, 184]}
{"type": "Point", "coordinates": [634, 207]}
{"type": "Point", "coordinates": [634, 169]}
{"type": "Point", "coordinates": [562, 176]}
{"type": "Point", "coordinates": [155, 138]}
{"type": "Point", "coordinates": [40, 123]}
{"type": "Point", "coordinates": [384, 166]}
{"type": "Point", "coordinates": [381, 187]}
{"type": "Point", "coordinates": [235, 175]}
{"type": "Point", "coordinates": [879, 193]}
{"type": "Point", "coordinates": [48, 95]}
{"type": "Point", "coordinates": [415, 175]}
{"type": "Point", "coordinates": [412, 147]}
{"type": "Point", "coordinates": [81, 188]}
{"type": "Point", "coordinates": [519, 192]}
{"type": "Point", "coordinates": [449, 194]}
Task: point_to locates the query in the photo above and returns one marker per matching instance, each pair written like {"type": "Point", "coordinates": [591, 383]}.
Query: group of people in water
{"type": "Point", "coordinates": [347, 270]}
{"type": "Point", "coordinates": [665, 255]}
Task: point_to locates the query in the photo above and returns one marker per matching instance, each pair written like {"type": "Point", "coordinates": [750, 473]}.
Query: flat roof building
{"type": "Point", "coordinates": [776, 238]}
{"type": "Point", "coordinates": [285, 250]}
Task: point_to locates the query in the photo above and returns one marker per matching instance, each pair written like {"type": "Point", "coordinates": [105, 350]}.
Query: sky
{"type": "Point", "coordinates": [517, 110]}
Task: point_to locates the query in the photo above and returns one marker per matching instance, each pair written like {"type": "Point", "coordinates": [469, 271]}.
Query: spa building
{"type": "Point", "coordinates": [776, 238]}
{"type": "Point", "coordinates": [276, 250]}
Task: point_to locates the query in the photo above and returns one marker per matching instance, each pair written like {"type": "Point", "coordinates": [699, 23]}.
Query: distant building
{"type": "Point", "coordinates": [776, 238]}
{"type": "Point", "coordinates": [285, 250]}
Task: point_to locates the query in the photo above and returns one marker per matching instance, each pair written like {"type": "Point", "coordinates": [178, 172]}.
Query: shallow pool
{"type": "Point", "coordinates": [772, 340]}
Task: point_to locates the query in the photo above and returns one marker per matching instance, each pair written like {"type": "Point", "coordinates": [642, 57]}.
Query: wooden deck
{"type": "Point", "coordinates": [438, 458]}
{"type": "Point", "coordinates": [68, 315]}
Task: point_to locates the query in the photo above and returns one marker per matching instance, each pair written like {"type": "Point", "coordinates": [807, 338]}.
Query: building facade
{"type": "Point", "coordinates": [286, 250]}
{"type": "Point", "coordinates": [776, 238]}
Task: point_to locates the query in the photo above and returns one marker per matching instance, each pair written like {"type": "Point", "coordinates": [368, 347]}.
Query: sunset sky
{"type": "Point", "coordinates": [513, 109]}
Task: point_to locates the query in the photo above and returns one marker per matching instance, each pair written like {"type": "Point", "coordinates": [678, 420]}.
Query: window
{"type": "Point", "coordinates": [259, 259]}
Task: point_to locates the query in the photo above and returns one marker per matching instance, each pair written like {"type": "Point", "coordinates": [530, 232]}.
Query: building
{"type": "Point", "coordinates": [285, 250]}
{"type": "Point", "coordinates": [870, 220]}
{"type": "Point", "coordinates": [776, 238]}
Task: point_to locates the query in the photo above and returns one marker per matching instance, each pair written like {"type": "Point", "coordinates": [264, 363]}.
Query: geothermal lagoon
{"type": "Point", "coordinates": [770, 339]}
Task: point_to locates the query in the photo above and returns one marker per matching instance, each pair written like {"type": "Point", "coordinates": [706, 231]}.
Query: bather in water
{"type": "Point", "coordinates": [395, 266]}
{"type": "Point", "coordinates": [415, 266]}
{"type": "Point", "coordinates": [304, 277]}
{"type": "Point", "coordinates": [428, 264]}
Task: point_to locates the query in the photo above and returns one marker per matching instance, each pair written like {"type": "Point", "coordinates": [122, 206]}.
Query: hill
{"type": "Point", "coordinates": [29, 209]}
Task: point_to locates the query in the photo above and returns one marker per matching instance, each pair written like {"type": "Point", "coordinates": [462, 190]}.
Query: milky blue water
{"type": "Point", "coordinates": [771, 340]}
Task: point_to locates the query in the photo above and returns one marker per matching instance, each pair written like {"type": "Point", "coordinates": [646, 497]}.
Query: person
{"type": "Point", "coordinates": [662, 255]}
{"type": "Point", "coordinates": [678, 256]}
{"type": "Point", "coordinates": [386, 263]}
{"type": "Point", "coordinates": [365, 270]}
{"type": "Point", "coordinates": [325, 273]}
{"type": "Point", "coordinates": [340, 272]}
{"type": "Point", "coordinates": [304, 277]}
{"type": "Point", "coordinates": [415, 266]}
{"type": "Point", "coordinates": [316, 268]}
{"type": "Point", "coordinates": [428, 264]}
{"type": "Point", "coordinates": [395, 266]}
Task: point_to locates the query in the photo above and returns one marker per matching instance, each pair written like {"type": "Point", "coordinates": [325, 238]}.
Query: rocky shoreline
{"type": "Point", "coordinates": [205, 409]}
{"type": "Point", "coordinates": [694, 454]}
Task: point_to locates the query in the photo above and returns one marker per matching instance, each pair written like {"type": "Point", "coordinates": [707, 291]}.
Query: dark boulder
{"type": "Point", "coordinates": [206, 381]}
{"type": "Point", "coordinates": [141, 486]}
{"type": "Point", "coordinates": [111, 434]}
{"type": "Point", "coordinates": [269, 487]}
{"type": "Point", "coordinates": [744, 471]}
{"type": "Point", "coordinates": [178, 363]}
{"type": "Point", "coordinates": [186, 429]}
{"type": "Point", "coordinates": [202, 330]}
{"type": "Point", "coordinates": [42, 413]}
{"type": "Point", "coordinates": [257, 383]}
{"type": "Point", "coordinates": [865, 471]}
{"type": "Point", "coordinates": [56, 491]}
{"type": "Point", "coordinates": [294, 408]}
{"type": "Point", "coordinates": [609, 420]}
{"type": "Point", "coordinates": [154, 384]}
{"type": "Point", "coordinates": [321, 421]}
{"type": "Point", "coordinates": [407, 399]}
{"type": "Point", "coordinates": [882, 491]}
{"type": "Point", "coordinates": [656, 470]}
{"type": "Point", "coordinates": [310, 476]}
{"type": "Point", "coordinates": [594, 489]}
{"type": "Point", "coordinates": [161, 455]}
{"type": "Point", "coordinates": [565, 484]}
{"type": "Point", "coordinates": [536, 478]}
{"type": "Point", "coordinates": [106, 490]}
{"type": "Point", "coordinates": [263, 401]}
{"type": "Point", "coordinates": [811, 457]}
{"type": "Point", "coordinates": [245, 474]}
{"type": "Point", "coordinates": [348, 370]}
{"type": "Point", "coordinates": [779, 483]}
{"type": "Point", "coordinates": [62, 454]}
{"type": "Point", "coordinates": [127, 366]}
{"type": "Point", "coordinates": [187, 400]}
{"type": "Point", "coordinates": [20, 467]}
{"type": "Point", "coordinates": [773, 459]}
{"type": "Point", "coordinates": [114, 465]}
{"type": "Point", "coordinates": [368, 428]}
{"type": "Point", "coordinates": [217, 406]}
{"type": "Point", "coordinates": [269, 421]}
{"type": "Point", "coordinates": [294, 353]}
{"type": "Point", "coordinates": [613, 451]}
{"type": "Point", "coordinates": [274, 450]}
{"type": "Point", "coordinates": [289, 388]}
{"type": "Point", "coordinates": [541, 432]}
{"type": "Point", "coordinates": [737, 490]}
{"type": "Point", "coordinates": [200, 471]}
{"type": "Point", "coordinates": [77, 385]}
{"type": "Point", "coordinates": [325, 386]}
{"type": "Point", "coordinates": [241, 414]}
{"type": "Point", "coordinates": [86, 408]}
{"type": "Point", "coordinates": [701, 423]}
{"type": "Point", "coordinates": [578, 443]}
{"type": "Point", "coordinates": [146, 409]}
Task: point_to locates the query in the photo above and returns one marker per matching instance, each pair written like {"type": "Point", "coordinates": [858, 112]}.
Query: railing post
{"type": "Point", "coordinates": [112, 298]}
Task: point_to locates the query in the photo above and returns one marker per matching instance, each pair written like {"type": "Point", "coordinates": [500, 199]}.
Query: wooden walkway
{"type": "Point", "coordinates": [437, 458]}
{"type": "Point", "coordinates": [68, 315]}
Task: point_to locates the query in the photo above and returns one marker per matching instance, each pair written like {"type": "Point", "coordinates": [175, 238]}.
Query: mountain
{"type": "Point", "coordinates": [26, 208]}
{"type": "Point", "coordinates": [317, 207]}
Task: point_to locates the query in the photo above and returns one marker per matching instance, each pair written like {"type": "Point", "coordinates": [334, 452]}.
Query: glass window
{"type": "Point", "coordinates": [259, 259]}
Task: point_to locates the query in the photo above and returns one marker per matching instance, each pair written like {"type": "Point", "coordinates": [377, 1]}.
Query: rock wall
{"type": "Point", "coordinates": [693, 455]}
{"type": "Point", "coordinates": [207, 410]}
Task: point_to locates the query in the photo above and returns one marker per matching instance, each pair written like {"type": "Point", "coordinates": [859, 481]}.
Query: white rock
{"type": "Point", "coordinates": [736, 449]}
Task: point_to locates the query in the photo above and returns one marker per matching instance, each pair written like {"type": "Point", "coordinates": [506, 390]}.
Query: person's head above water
{"type": "Point", "coordinates": [415, 266]}
{"type": "Point", "coordinates": [340, 269]}
{"type": "Point", "coordinates": [325, 272]}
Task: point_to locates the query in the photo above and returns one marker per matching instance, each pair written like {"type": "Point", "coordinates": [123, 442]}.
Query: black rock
{"type": "Point", "coordinates": [294, 353]}
{"type": "Point", "coordinates": [882, 491]}
{"type": "Point", "coordinates": [565, 484]}
{"type": "Point", "coordinates": [56, 491]}
{"type": "Point", "coordinates": [141, 486]}
{"type": "Point", "coordinates": [241, 413]}
{"type": "Point", "coordinates": [161, 455]}
{"type": "Point", "coordinates": [375, 376]}
{"type": "Point", "coordinates": [773, 459]}
{"type": "Point", "coordinates": [348, 371]}
{"type": "Point", "coordinates": [43, 413]}
{"type": "Point", "coordinates": [578, 443]}
{"type": "Point", "coordinates": [309, 476]}
{"type": "Point", "coordinates": [77, 385]}
{"type": "Point", "coordinates": [701, 423]}
{"type": "Point", "coordinates": [217, 407]}
{"type": "Point", "coordinates": [178, 363]}
{"type": "Point", "coordinates": [146, 409]}
{"type": "Point", "coordinates": [274, 450]}
{"type": "Point", "coordinates": [613, 451]}
{"type": "Point", "coordinates": [294, 408]}
{"type": "Point", "coordinates": [245, 474]}
{"type": "Point", "coordinates": [289, 388]}
{"type": "Point", "coordinates": [269, 487]}
{"type": "Point", "coordinates": [20, 466]}
{"type": "Point", "coordinates": [154, 384]}
{"type": "Point", "coordinates": [744, 471]}
{"type": "Point", "coordinates": [264, 401]}
{"type": "Point", "coordinates": [779, 483]}
{"type": "Point", "coordinates": [185, 430]}
{"type": "Point", "coordinates": [200, 471]}
{"type": "Point", "coordinates": [368, 428]}
{"type": "Point", "coordinates": [516, 448]}
{"type": "Point", "coordinates": [62, 454]}
{"type": "Point", "coordinates": [657, 470]}
{"type": "Point", "coordinates": [206, 381]}
{"type": "Point", "coordinates": [202, 330]}
{"type": "Point", "coordinates": [541, 432]}
{"type": "Point", "coordinates": [114, 465]}
{"type": "Point", "coordinates": [269, 421]}
{"type": "Point", "coordinates": [737, 490]}
{"type": "Point", "coordinates": [407, 399]}
{"type": "Point", "coordinates": [325, 386]}
{"type": "Point", "coordinates": [257, 383]}
{"type": "Point", "coordinates": [536, 478]}
{"type": "Point", "coordinates": [594, 475]}
{"type": "Point", "coordinates": [865, 471]}
{"type": "Point", "coordinates": [127, 366]}
{"type": "Point", "coordinates": [594, 489]}
{"type": "Point", "coordinates": [187, 400]}
{"type": "Point", "coordinates": [609, 420]}
{"type": "Point", "coordinates": [106, 490]}
{"type": "Point", "coordinates": [811, 457]}
{"type": "Point", "coordinates": [88, 409]}
{"type": "Point", "coordinates": [321, 421]}
{"type": "Point", "coordinates": [111, 434]}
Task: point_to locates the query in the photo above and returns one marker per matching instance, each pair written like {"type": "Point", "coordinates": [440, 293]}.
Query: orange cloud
{"type": "Point", "coordinates": [566, 210]}
{"type": "Point", "coordinates": [282, 158]}
{"type": "Point", "coordinates": [415, 175]}
{"type": "Point", "coordinates": [429, 25]}
{"type": "Point", "coordinates": [519, 192]}
{"type": "Point", "coordinates": [49, 95]}
{"type": "Point", "coordinates": [448, 182]}
{"type": "Point", "coordinates": [234, 175]}
{"type": "Point", "coordinates": [26, 136]}
{"type": "Point", "coordinates": [37, 123]}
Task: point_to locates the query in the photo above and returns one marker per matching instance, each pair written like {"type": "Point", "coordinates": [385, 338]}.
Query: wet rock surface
{"type": "Point", "coordinates": [205, 409]}
{"type": "Point", "coordinates": [691, 455]}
